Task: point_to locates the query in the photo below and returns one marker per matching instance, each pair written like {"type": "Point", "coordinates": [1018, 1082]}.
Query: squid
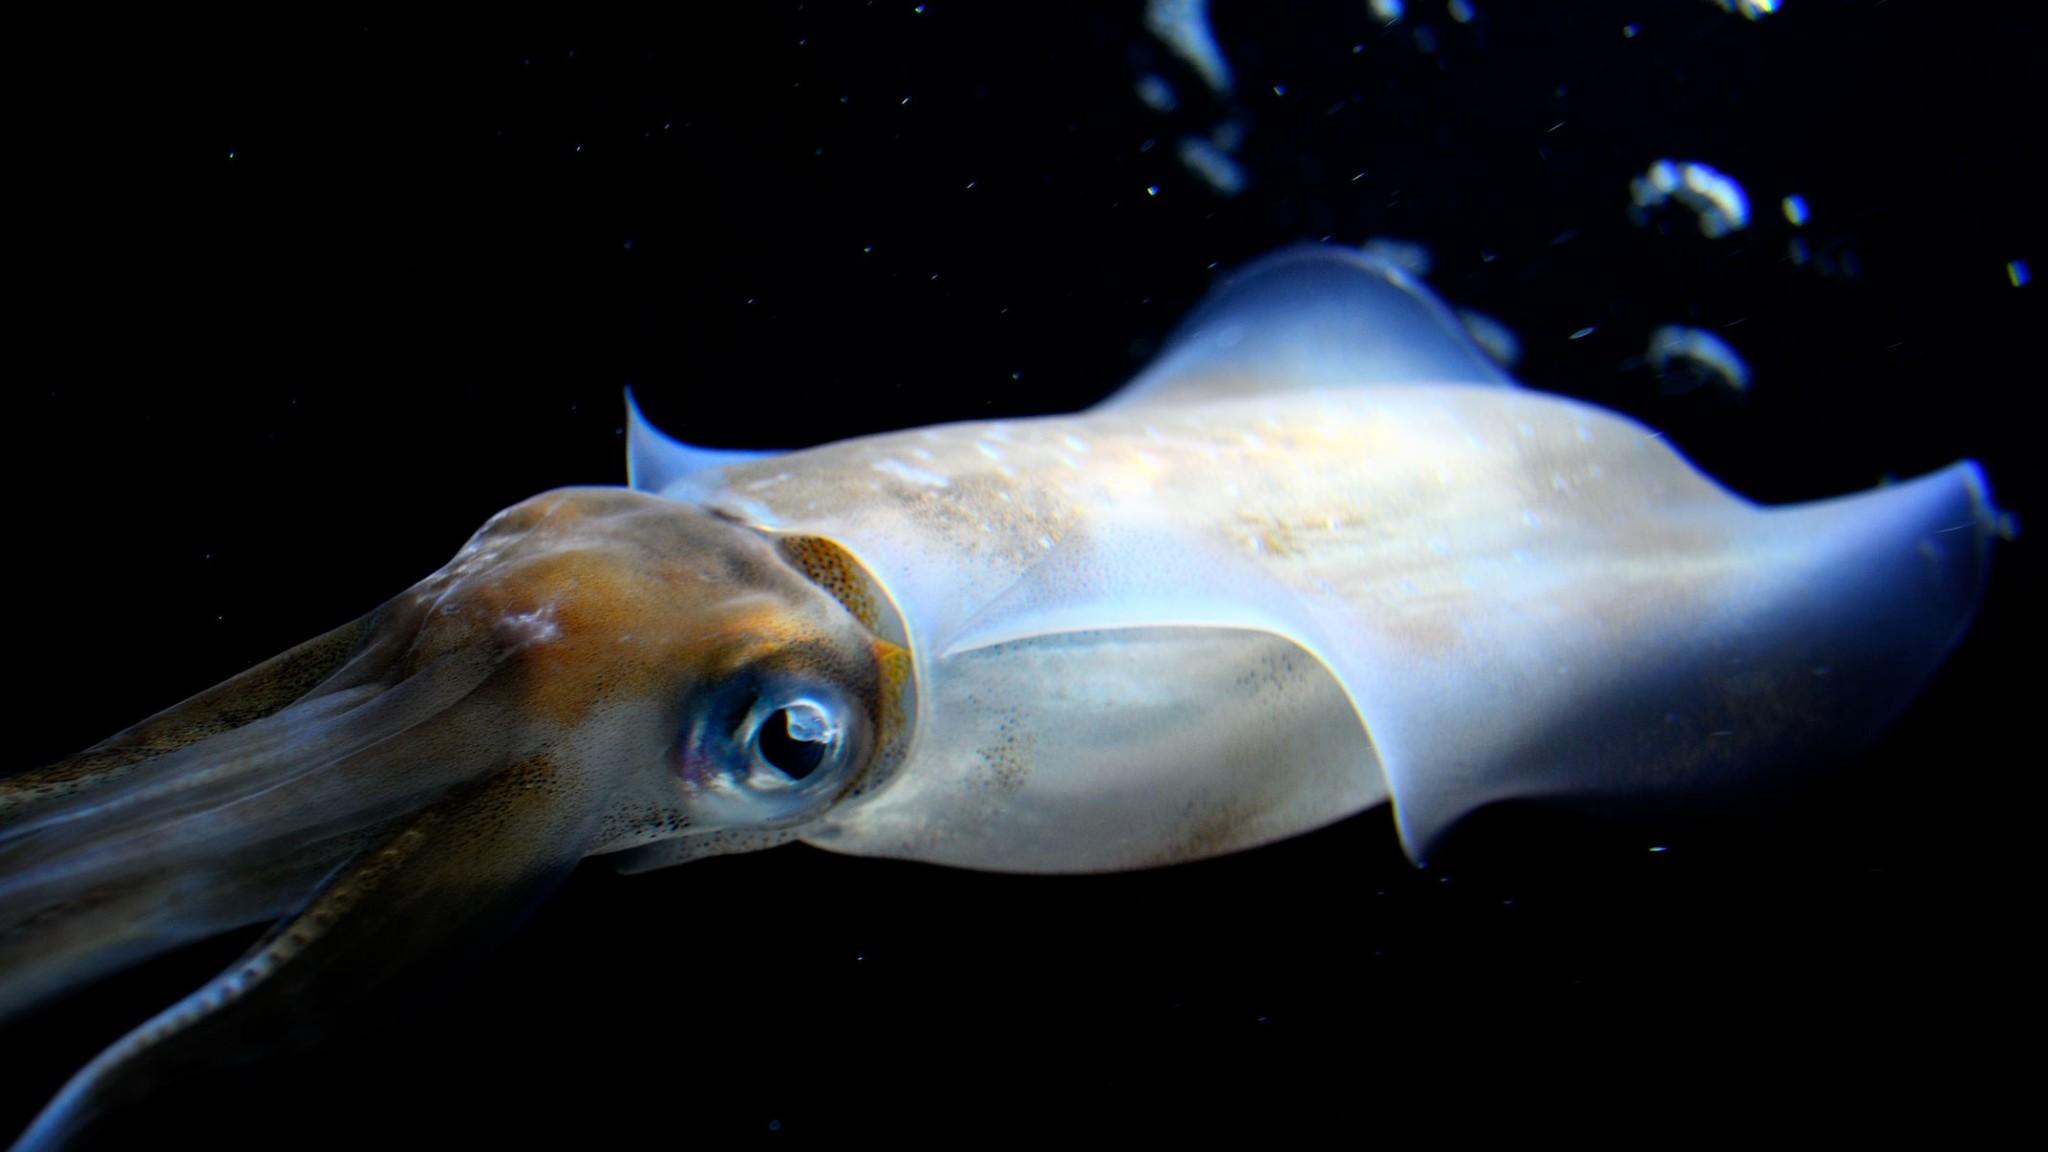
{"type": "Point", "coordinates": [1321, 555]}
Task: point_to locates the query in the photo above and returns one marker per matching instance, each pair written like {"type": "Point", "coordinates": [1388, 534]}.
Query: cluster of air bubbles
{"type": "Point", "coordinates": [1688, 358]}
{"type": "Point", "coordinates": [1684, 358]}
{"type": "Point", "coordinates": [1828, 257]}
{"type": "Point", "coordinates": [1217, 168]}
{"type": "Point", "coordinates": [1183, 26]}
{"type": "Point", "coordinates": [1155, 93]}
{"type": "Point", "coordinates": [1407, 255]}
{"type": "Point", "coordinates": [1797, 214]}
{"type": "Point", "coordinates": [1493, 337]}
{"type": "Point", "coordinates": [1714, 197]}
{"type": "Point", "coordinates": [1750, 9]}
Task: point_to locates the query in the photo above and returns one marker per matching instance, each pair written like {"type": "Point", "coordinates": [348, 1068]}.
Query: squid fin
{"type": "Point", "coordinates": [1308, 317]}
{"type": "Point", "coordinates": [1632, 672]}
{"type": "Point", "coordinates": [655, 460]}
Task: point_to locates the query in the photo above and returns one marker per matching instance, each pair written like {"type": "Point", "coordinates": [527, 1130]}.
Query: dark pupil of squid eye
{"type": "Point", "coordinates": [796, 758]}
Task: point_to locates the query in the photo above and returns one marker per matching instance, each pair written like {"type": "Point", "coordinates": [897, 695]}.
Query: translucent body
{"type": "Point", "coordinates": [1501, 593]}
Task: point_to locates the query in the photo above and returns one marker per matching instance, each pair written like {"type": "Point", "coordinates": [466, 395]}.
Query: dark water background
{"type": "Point", "coordinates": [299, 304]}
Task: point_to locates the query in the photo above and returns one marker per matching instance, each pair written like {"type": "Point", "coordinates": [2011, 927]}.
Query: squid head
{"type": "Point", "coordinates": [597, 670]}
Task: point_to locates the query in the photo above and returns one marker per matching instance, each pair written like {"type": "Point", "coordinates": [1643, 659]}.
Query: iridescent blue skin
{"type": "Point", "coordinates": [1322, 555]}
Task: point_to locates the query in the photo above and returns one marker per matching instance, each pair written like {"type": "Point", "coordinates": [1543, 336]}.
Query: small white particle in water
{"type": "Point", "coordinates": [1461, 11]}
{"type": "Point", "coordinates": [1628, 31]}
{"type": "Point", "coordinates": [2017, 272]}
{"type": "Point", "coordinates": [1795, 210]}
{"type": "Point", "coordinates": [1386, 11]}
{"type": "Point", "coordinates": [1151, 189]}
{"type": "Point", "coordinates": [1582, 333]}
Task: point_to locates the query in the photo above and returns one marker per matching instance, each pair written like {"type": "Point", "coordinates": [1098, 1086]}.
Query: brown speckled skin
{"type": "Point", "coordinates": [254, 694]}
{"type": "Point", "coordinates": [588, 622]}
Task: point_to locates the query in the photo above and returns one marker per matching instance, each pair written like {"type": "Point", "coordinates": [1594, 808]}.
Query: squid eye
{"type": "Point", "coordinates": [769, 750]}
{"type": "Point", "coordinates": [796, 739]}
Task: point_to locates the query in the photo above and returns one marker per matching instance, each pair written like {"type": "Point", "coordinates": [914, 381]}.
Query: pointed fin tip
{"type": "Point", "coordinates": [1998, 522]}
{"type": "Point", "coordinates": [655, 460]}
{"type": "Point", "coordinates": [1920, 551]}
